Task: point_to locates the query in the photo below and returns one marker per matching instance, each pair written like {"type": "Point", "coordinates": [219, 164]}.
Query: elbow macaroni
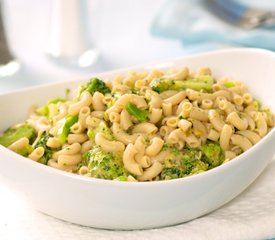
{"type": "Point", "coordinates": [184, 119]}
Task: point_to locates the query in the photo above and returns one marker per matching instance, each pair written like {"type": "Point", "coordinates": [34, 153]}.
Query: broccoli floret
{"type": "Point", "coordinates": [48, 151]}
{"type": "Point", "coordinates": [181, 163]}
{"type": "Point", "coordinates": [101, 128]}
{"type": "Point", "coordinates": [140, 115]}
{"type": "Point", "coordinates": [212, 154]}
{"type": "Point", "coordinates": [64, 130]}
{"type": "Point", "coordinates": [11, 135]}
{"type": "Point", "coordinates": [105, 165]}
{"type": "Point", "coordinates": [204, 82]}
{"type": "Point", "coordinates": [96, 85]}
{"type": "Point", "coordinates": [169, 173]}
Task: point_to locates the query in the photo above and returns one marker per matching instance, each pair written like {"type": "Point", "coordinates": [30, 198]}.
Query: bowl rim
{"type": "Point", "coordinates": [196, 177]}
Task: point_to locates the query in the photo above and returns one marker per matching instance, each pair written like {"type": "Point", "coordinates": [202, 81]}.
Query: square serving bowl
{"type": "Point", "coordinates": [139, 205]}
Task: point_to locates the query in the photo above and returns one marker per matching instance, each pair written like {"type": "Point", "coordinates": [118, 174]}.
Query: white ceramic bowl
{"type": "Point", "coordinates": [126, 205]}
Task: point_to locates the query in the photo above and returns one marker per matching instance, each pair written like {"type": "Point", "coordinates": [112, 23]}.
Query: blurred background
{"type": "Point", "coordinates": [55, 40]}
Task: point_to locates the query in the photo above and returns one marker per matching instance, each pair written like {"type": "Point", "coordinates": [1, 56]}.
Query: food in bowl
{"type": "Point", "coordinates": [144, 126]}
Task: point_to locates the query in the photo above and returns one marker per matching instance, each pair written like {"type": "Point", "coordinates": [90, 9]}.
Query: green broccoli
{"type": "Point", "coordinates": [57, 100]}
{"type": "Point", "coordinates": [203, 82]}
{"type": "Point", "coordinates": [140, 115]}
{"type": "Point", "coordinates": [181, 163]}
{"type": "Point", "coordinates": [64, 130]}
{"type": "Point", "coordinates": [212, 154]}
{"type": "Point", "coordinates": [11, 135]}
{"type": "Point", "coordinates": [42, 142]}
{"type": "Point", "coordinates": [44, 110]}
{"type": "Point", "coordinates": [257, 105]}
{"type": "Point", "coordinates": [25, 151]}
{"type": "Point", "coordinates": [229, 84]}
{"type": "Point", "coordinates": [105, 165]}
{"type": "Point", "coordinates": [101, 128]}
{"type": "Point", "coordinates": [96, 85]}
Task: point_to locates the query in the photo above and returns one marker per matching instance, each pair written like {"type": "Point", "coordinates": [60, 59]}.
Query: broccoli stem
{"type": "Point", "coordinates": [65, 128]}
{"type": "Point", "coordinates": [11, 135]}
{"type": "Point", "coordinates": [140, 115]}
{"type": "Point", "coordinates": [204, 82]}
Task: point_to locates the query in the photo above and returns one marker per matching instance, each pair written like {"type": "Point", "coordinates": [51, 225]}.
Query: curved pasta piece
{"type": "Point", "coordinates": [155, 101]}
{"type": "Point", "coordinates": [215, 120]}
{"type": "Point", "coordinates": [77, 138]}
{"type": "Point", "coordinates": [122, 136]}
{"type": "Point", "coordinates": [144, 161]}
{"type": "Point", "coordinates": [155, 147]}
{"type": "Point", "coordinates": [171, 121]}
{"type": "Point", "coordinates": [241, 142]}
{"type": "Point", "coordinates": [250, 135]}
{"type": "Point", "coordinates": [223, 93]}
{"type": "Point", "coordinates": [167, 109]}
{"type": "Point", "coordinates": [83, 170]}
{"type": "Point", "coordinates": [68, 160]}
{"type": "Point", "coordinates": [37, 153]}
{"type": "Point", "coordinates": [225, 136]}
{"type": "Point", "coordinates": [155, 116]}
{"type": "Point", "coordinates": [151, 172]}
{"type": "Point", "coordinates": [63, 108]}
{"type": "Point", "coordinates": [237, 121]}
{"type": "Point", "coordinates": [129, 160]}
{"type": "Point", "coordinates": [19, 144]}
{"type": "Point", "coordinates": [135, 99]}
{"type": "Point", "coordinates": [160, 157]}
{"type": "Point", "coordinates": [213, 135]}
{"type": "Point", "coordinates": [108, 146]}
{"type": "Point", "coordinates": [199, 114]}
{"type": "Point", "coordinates": [98, 104]}
{"type": "Point", "coordinates": [192, 141]}
{"type": "Point", "coordinates": [69, 150]}
{"type": "Point", "coordinates": [86, 99]}
{"type": "Point", "coordinates": [176, 99]}
{"type": "Point", "coordinates": [195, 95]}
{"type": "Point", "coordinates": [227, 106]}
{"type": "Point", "coordinates": [145, 128]}
{"type": "Point", "coordinates": [54, 164]}
{"type": "Point", "coordinates": [53, 142]}
{"type": "Point", "coordinates": [199, 129]}
{"type": "Point", "coordinates": [261, 125]}
{"type": "Point", "coordinates": [184, 125]}
{"type": "Point", "coordinates": [125, 120]}
{"type": "Point", "coordinates": [175, 135]}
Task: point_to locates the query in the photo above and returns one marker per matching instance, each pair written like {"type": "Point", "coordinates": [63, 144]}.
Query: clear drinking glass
{"type": "Point", "coordinates": [8, 64]}
{"type": "Point", "coordinates": [68, 44]}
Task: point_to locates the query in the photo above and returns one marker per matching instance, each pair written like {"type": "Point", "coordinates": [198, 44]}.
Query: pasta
{"type": "Point", "coordinates": [144, 126]}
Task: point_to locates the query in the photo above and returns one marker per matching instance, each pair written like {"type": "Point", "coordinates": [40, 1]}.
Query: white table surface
{"type": "Point", "coordinates": [120, 30]}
